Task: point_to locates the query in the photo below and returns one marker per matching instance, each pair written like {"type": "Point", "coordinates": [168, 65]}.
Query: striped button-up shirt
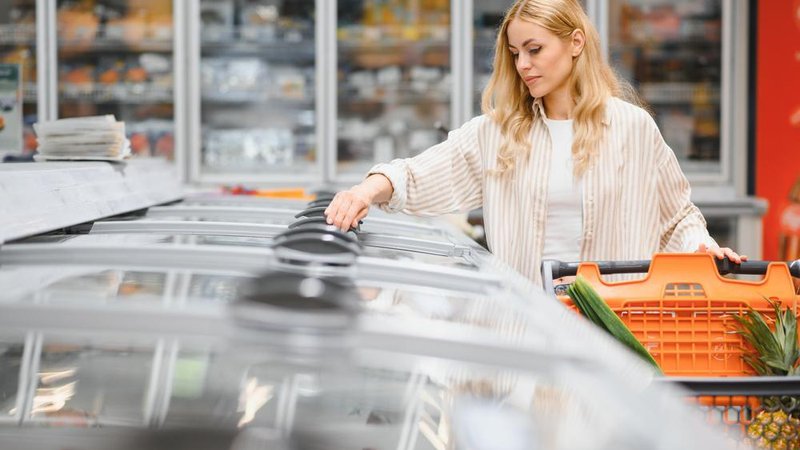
{"type": "Point", "coordinates": [636, 199]}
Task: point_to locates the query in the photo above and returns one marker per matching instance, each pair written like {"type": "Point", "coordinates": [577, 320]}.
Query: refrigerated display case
{"type": "Point", "coordinates": [255, 99]}
{"type": "Point", "coordinates": [394, 81]}
{"type": "Point", "coordinates": [672, 54]}
{"type": "Point", "coordinates": [352, 357]}
{"type": "Point", "coordinates": [116, 57]}
{"type": "Point", "coordinates": [18, 45]}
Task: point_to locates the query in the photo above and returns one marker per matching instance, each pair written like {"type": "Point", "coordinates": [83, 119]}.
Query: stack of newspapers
{"type": "Point", "coordinates": [82, 138]}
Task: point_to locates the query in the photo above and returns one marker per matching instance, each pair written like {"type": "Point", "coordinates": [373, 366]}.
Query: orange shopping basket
{"type": "Point", "coordinates": [681, 311]}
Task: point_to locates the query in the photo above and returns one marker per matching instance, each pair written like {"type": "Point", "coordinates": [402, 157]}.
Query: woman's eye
{"type": "Point", "coordinates": [515, 55]}
{"type": "Point", "coordinates": [534, 51]}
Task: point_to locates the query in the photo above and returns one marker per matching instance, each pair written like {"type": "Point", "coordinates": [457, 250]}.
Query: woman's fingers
{"type": "Point", "coordinates": [345, 210]}
{"type": "Point", "coordinates": [360, 216]}
{"type": "Point", "coordinates": [352, 212]}
{"type": "Point", "coordinates": [721, 253]}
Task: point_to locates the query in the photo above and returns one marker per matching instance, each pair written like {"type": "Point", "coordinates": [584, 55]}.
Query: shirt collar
{"type": "Point", "coordinates": [538, 111]}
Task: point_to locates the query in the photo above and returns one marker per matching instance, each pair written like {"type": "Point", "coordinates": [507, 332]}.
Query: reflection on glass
{"type": "Point", "coordinates": [488, 17]}
{"type": "Point", "coordinates": [18, 46]}
{"type": "Point", "coordinates": [257, 86]}
{"type": "Point", "coordinates": [84, 385]}
{"type": "Point", "coordinates": [394, 79]}
{"type": "Point", "coordinates": [10, 363]}
{"type": "Point", "coordinates": [115, 57]}
{"type": "Point", "coordinates": [224, 390]}
{"type": "Point", "coordinates": [671, 52]}
{"type": "Point", "coordinates": [104, 286]}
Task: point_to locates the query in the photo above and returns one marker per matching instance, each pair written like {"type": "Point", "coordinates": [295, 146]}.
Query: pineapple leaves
{"type": "Point", "coordinates": [599, 313]}
{"type": "Point", "coordinates": [776, 352]}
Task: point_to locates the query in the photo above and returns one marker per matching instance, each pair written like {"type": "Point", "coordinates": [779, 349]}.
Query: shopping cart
{"type": "Point", "coordinates": [682, 310]}
{"type": "Point", "coordinates": [733, 404]}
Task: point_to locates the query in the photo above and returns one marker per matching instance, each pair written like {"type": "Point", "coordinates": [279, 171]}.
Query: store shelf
{"type": "Point", "coordinates": [260, 98]}
{"type": "Point", "coordinates": [269, 50]}
{"type": "Point", "coordinates": [679, 93]}
{"type": "Point", "coordinates": [18, 34]}
{"type": "Point", "coordinates": [133, 93]}
{"type": "Point", "coordinates": [398, 34]}
{"type": "Point", "coordinates": [101, 45]}
{"type": "Point", "coordinates": [397, 99]}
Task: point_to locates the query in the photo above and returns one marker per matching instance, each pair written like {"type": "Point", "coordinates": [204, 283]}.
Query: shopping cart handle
{"type": "Point", "coordinates": [794, 268]}
{"type": "Point", "coordinates": [756, 386]}
{"type": "Point", "coordinates": [553, 270]}
{"type": "Point", "coordinates": [565, 269]}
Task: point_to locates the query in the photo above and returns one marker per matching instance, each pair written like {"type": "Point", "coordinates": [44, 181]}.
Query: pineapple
{"type": "Point", "coordinates": [777, 424]}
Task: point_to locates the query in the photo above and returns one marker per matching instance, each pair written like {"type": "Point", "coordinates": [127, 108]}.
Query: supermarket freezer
{"type": "Point", "coordinates": [156, 335]}
{"type": "Point", "coordinates": [269, 218]}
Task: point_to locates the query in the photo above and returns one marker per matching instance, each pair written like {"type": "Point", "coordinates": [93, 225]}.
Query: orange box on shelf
{"type": "Point", "coordinates": [681, 311]}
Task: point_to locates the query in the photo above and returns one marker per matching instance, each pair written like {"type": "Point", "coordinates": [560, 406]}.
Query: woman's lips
{"type": "Point", "coordinates": [531, 79]}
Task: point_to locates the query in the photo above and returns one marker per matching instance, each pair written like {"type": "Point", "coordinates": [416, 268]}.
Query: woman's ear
{"type": "Point", "coordinates": [578, 41]}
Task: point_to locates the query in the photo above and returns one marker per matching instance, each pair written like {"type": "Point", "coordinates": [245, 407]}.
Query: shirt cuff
{"type": "Point", "coordinates": [397, 176]}
{"type": "Point", "coordinates": [699, 237]}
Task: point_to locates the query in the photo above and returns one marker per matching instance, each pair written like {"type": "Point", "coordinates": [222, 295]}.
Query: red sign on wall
{"type": "Point", "coordinates": [778, 125]}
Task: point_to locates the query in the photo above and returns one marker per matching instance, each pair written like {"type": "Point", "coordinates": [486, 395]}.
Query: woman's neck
{"type": "Point", "coordinates": [558, 105]}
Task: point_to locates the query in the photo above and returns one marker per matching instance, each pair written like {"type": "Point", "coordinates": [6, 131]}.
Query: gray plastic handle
{"type": "Point", "coordinates": [312, 211]}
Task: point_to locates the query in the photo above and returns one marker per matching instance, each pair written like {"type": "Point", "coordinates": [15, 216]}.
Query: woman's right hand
{"type": "Point", "coordinates": [348, 207]}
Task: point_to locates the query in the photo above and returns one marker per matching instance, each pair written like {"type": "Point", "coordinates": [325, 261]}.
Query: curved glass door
{"type": "Point", "coordinates": [394, 80]}
{"type": "Point", "coordinates": [671, 51]}
{"type": "Point", "coordinates": [18, 46]}
{"type": "Point", "coordinates": [257, 79]}
{"type": "Point", "coordinates": [116, 58]}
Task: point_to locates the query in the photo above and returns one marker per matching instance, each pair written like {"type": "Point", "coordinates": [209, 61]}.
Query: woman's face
{"type": "Point", "coordinates": [544, 62]}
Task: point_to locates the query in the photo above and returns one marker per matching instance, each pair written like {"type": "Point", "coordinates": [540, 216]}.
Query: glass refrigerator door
{"type": "Point", "coordinates": [18, 46]}
{"type": "Point", "coordinates": [257, 80]}
{"type": "Point", "coordinates": [115, 57]}
{"type": "Point", "coordinates": [394, 80]}
{"type": "Point", "coordinates": [671, 52]}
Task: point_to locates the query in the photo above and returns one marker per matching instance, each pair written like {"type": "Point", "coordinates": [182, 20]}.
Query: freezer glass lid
{"type": "Point", "coordinates": [111, 288]}
{"type": "Point", "coordinates": [130, 239]}
{"type": "Point", "coordinates": [359, 399]}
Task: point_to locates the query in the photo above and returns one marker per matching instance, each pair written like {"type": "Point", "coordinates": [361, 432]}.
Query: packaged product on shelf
{"type": "Point", "coordinates": [232, 77]}
{"type": "Point", "coordinates": [110, 70]}
{"type": "Point", "coordinates": [160, 26]}
{"type": "Point", "coordinates": [159, 69]}
{"type": "Point", "coordinates": [152, 137]}
{"type": "Point", "coordinates": [77, 79]}
{"type": "Point", "coordinates": [26, 60]}
{"type": "Point", "coordinates": [130, 28]}
{"type": "Point", "coordinates": [248, 150]}
{"type": "Point", "coordinates": [290, 82]}
{"type": "Point", "coordinates": [217, 20]}
{"type": "Point", "coordinates": [21, 28]}
{"type": "Point", "coordinates": [259, 21]}
{"type": "Point", "coordinates": [77, 26]}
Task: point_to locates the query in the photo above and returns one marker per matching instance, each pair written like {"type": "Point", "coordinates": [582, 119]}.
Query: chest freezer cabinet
{"type": "Point", "coordinates": [156, 344]}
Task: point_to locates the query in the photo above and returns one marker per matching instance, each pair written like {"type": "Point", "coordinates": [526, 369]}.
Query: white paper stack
{"type": "Point", "coordinates": [94, 137]}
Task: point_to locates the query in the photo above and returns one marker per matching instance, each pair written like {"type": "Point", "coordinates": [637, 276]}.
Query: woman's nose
{"type": "Point", "coordinates": [523, 62]}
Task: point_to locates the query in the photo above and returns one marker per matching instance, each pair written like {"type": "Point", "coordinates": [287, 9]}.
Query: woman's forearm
{"type": "Point", "coordinates": [377, 188]}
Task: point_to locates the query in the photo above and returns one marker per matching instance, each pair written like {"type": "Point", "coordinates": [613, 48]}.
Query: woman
{"type": "Point", "coordinates": [562, 166]}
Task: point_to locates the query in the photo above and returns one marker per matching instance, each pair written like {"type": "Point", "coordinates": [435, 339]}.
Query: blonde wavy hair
{"type": "Point", "coordinates": [507, 99]}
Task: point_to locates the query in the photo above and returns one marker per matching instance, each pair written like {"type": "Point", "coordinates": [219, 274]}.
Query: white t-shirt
{"type": "Point", "coordinates": [564, 222]}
